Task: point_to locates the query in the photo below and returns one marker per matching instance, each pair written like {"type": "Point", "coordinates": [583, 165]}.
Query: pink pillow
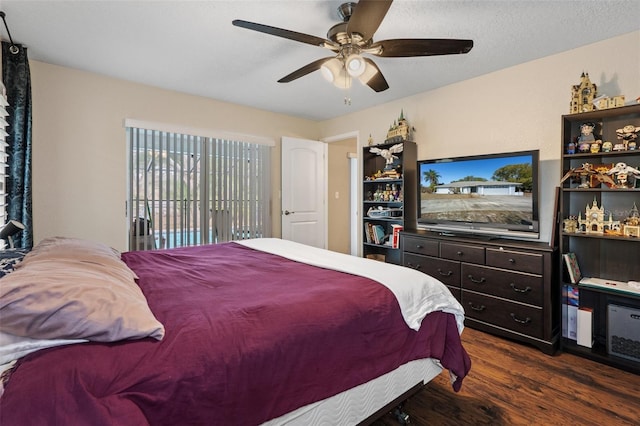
{"type": "Point", "coordinates": [75, 289]}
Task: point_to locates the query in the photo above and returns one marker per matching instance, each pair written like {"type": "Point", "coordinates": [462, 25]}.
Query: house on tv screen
{"type": "Point", "coordinates": [481, 188]}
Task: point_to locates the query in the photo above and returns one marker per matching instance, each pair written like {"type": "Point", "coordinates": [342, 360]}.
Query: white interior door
{"type": "Point", "coordinates": [304, 187]}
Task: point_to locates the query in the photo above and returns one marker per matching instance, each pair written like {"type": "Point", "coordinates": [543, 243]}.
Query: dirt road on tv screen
{"type": "Point", "coordinates": [477, 208]}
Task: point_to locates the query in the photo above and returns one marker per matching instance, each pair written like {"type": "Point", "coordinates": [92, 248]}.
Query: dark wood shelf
{"type": "Point", "coordinates": [407, 185]}
{"type": "Point", "coordinates": [610, 291]}
{"type": "Point", "coordinates": [611, 257]}
{"type": "Point", "coordinates": [385, 246]}
{"type": "Point", "coordinates": [602, 114]}
{"type": "Point", "coordinates": [610, 154]}
{"type": "Point", "coordinates": [601, 189]}
{"type": "Point", "coordinates": [382, 202]}
{"type": "Point", "coordinates": [382, 180]}
{"type": "Point", "coordinates": [601, 237]}
{"type": "Point", "coordinates": [599, 354]}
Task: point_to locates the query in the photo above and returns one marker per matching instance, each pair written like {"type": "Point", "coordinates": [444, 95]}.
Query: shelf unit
{"type": "Point", "coordinates": [600, 255]}
{"type": "Point", "coordinates": [375, 193]}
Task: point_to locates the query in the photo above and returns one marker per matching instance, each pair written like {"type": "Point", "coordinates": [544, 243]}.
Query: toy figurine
{"type": "Point", "coordinates": [589, 174]}
{"type": "Point", "coordinates": [628, 134]}
{"type": "Point", "coordinates": [387, 154]}
{"type": "Point", "coordinates": [582, 172]}
{"type": "Point", "coordinates": [607, 146]}
{"type": "Point", "coordinates": [622, 172]}
{"type": "Point", "coordinates": [571, 225]}
{"type": "Point", "coordinates": [631, 226]}
{"type": "Point", "coordinates": [586, 138]}
{"type": "Point", "coordinates": [571, 148]}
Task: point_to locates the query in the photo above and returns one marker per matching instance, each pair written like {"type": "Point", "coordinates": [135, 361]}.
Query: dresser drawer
{"type": "Point", "coordinates": [443, 270]}
{"type": "Point", "coordinates": [515, 260]}
{"type": "Point", "coordinates": [420, 246]}
{"type": "Point", "coordinates": [518, 286]}
{"type": "Point", "coordinates": [462, 252]}
{"type": "Point", "coordinates": [520, 318]}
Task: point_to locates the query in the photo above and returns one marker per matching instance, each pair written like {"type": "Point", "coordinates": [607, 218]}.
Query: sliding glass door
{"type": "Point", "coordinates": [188, 190]}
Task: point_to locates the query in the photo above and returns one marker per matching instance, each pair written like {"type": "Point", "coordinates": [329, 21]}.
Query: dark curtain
{"type": "Point", "coordinates": [17, 80]}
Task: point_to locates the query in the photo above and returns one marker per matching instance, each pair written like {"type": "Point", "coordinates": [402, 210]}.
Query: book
{"type": "Point", "coordinates": [573, 269]}
{"type": "Point", "coordinates": [585, 327]}
{"type": "Point", "coordinates": [573, 303]}
{"type": "Point", "coordinates": [379, 234]}
{"type": "Point", "coordinates": [395, 236]}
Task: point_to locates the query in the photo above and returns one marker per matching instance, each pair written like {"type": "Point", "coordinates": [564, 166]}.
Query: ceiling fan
{"type": "Point", "coordinates": [352, 38]}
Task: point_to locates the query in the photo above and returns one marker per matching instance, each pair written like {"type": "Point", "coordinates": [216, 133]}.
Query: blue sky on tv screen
{"type": "Point", "coordinates": [481, 167]}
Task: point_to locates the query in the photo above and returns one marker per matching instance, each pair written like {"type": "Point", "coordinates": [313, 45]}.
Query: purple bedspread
{"type": "Point", "coordinates": [249, 336]}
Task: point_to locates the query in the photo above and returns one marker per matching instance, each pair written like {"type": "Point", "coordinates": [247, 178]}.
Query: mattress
{"type": "Point", "coordinates": [357, 404]}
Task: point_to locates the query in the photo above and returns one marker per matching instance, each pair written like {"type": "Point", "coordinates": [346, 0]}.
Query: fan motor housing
{"type": "Point", "coordinates": [338, 34]}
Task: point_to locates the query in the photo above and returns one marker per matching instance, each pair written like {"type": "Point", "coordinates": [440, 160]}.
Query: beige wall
{"type": "Point", "coordinates": [517, 108]}
{"type": "Point", "coordinates": [338, 193]}
{"type": "Point", "coordinates": [79, 156]}
{"type": "Point", "coordinates": [79, 146]}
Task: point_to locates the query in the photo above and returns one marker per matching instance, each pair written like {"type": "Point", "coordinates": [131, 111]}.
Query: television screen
{"type": "Point", "coordinates": [495, 194]}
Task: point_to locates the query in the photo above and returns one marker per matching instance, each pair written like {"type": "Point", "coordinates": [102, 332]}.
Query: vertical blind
{"type": "Point", "coordinates": [190, 190]}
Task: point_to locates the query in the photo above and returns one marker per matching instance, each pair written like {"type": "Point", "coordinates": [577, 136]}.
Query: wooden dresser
{"type": "Point", "coordinates": [507, 287]}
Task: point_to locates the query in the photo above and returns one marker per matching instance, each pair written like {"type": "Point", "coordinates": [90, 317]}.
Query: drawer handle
{"type": "Point", "coordinates": [477, 308]}
{"type": "Point", "coordinates": [410, 265]}
{"type": "Point", "coordinates": [459, 253]}
{"type": "Point", "coordinates": [511, 260]}
{"type": "Point", "coordinates": [473, 280]}
{"type": "Point", "coordinates": [520, 290]}
{"type": "Point", "coordinates": [445, 274]}
{"type": "Point", "coordinates": [527, 320]}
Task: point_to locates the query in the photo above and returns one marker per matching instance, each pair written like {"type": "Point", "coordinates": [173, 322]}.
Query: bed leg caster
{"type": "Point", "coordinates": [401, 416]}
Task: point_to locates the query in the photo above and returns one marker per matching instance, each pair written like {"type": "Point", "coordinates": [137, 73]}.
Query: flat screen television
{"type": "Point", "coordinates": [493, 195]}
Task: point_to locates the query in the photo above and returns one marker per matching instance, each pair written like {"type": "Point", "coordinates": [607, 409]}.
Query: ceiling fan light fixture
{"type": "Point", "coordinates": [368, 74]}
{"type": "Point", "coordinates": [331, 69]}
{"type": "Point", "coordinates": [355, 65]}
{"type": "Point", "coordinates": [343, 79]}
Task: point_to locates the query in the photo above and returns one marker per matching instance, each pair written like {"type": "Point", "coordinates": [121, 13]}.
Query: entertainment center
{"type": "Point", "coordinates": [475, 227]}
{"type": "Point", "coordinates": [477, 231]}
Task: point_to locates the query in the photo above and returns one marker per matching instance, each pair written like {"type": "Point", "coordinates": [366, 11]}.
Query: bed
{"type": "Point", "coordinates": [262, 331]}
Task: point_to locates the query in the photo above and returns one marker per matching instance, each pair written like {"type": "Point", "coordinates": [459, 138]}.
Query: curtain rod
{"type": "Point", "coordinates": [13, 48]}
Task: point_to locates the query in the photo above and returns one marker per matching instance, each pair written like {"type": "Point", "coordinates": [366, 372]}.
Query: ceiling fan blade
{"type": "Point", "coordinates": [288, 34]}
{"type": "Point", "coordinates": [307, 69]}
{"type": "Point", "coordinates": [367, 17]}
{"type": "Point", "coordinates": [377, 82]}
{"type": "Point", "coordinates": [407, 47]}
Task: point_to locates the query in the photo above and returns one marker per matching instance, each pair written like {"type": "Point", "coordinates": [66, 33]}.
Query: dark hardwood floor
{"type": "Point", "coordinates": [515, 384]}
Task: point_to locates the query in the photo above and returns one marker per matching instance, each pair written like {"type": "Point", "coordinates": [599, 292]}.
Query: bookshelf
{"type": "Point", "coordinates": [596, 210]}
{"type": "Point", "coordinates": [389, 198]}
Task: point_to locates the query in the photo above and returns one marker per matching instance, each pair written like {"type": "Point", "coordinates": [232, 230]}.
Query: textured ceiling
{"type": "Point", "coordinates": [192, 47]}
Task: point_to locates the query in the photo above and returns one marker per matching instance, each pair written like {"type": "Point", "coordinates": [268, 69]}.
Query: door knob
{"type": "Point", "coordinates": [287, 212]}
